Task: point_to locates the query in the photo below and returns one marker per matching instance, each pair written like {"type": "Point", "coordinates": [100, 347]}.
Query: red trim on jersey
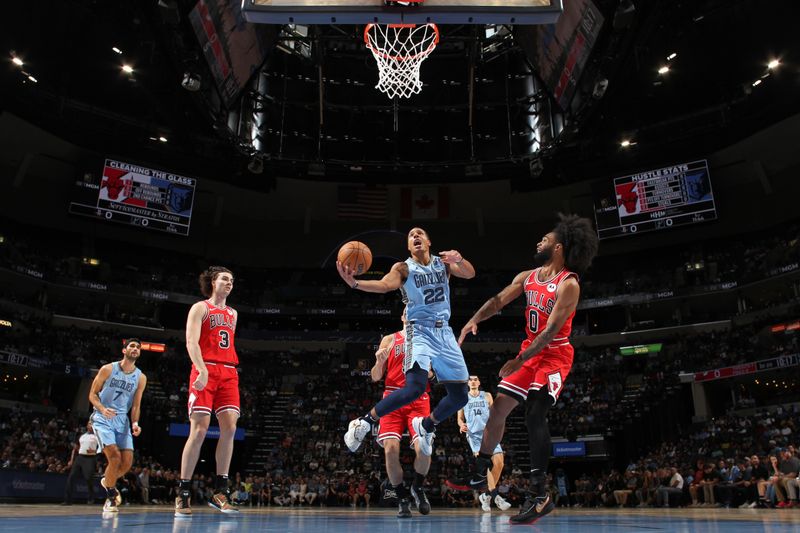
{"type": "Point", "coordinates": [217, 335]}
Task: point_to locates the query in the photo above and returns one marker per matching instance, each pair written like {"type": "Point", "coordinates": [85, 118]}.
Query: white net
{"type": "Point", "coordinates": [399, 50]}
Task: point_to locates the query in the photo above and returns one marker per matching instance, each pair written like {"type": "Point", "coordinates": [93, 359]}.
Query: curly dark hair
{"type": "Point", "coordinates": [579, 240]}
{"type": "Point", "coordinates": [207, 277]}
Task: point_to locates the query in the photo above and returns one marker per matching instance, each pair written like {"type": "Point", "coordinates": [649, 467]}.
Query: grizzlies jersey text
{"type": "Point", "coordinates": [426, 291]}
{"type": "Point", "coordinates": [476, 412]}
{"type": "Point", "coordinates": [119, 389]}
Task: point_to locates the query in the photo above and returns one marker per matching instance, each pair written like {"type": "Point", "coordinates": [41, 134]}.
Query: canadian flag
{"type": "Point", "coordinates": [424, 203]}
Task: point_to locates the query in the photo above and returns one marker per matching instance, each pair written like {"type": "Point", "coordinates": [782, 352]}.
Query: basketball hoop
{"type": "Point", "coordinates": [399, 50]}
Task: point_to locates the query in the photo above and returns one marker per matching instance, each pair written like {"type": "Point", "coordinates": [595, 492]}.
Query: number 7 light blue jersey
{"type": "Point", "coordinates": [119, 389]}
{"type": "Point", "coordinates": [426, 291]}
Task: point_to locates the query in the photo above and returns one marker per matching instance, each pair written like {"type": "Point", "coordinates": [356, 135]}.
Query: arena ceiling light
{"type": "Point", "coordinates": [756, 83]}
{"type": "Point", "coordinates": [17, 61]}
{"type": "Point", "coordinates": [127, 69]}
{"type": "Point", "coordinates": [117, 50]}
{"type": "Point", "coordinates": [672, 56]}
{"type": "Point", "coordinates": [773, 64]}
{"type": "Point", "coordinates": [162, 138]}
{"type": "Point", "coordinates": [32, 79]}
{"type": "Point", "coordinates": [627, 143]}
{"type": "Point", "coordinates": [663, 70]}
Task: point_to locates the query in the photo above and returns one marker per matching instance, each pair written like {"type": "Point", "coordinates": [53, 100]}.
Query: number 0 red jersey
{"type": "Point", "coordinates": [540, 298]}
{"type": "Point", "coordinates": [217, 335]}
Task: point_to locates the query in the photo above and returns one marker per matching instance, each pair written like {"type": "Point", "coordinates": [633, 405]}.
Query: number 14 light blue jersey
{"type": "Point", "coordinates": [426, 291]}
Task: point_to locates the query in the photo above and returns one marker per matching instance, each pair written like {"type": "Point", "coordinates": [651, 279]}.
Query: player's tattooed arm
{"type": "Point", "coordinates": [566, 302]}
{"type": "Point", "coordinates": [392, 281]}
{"type": "Point", "coordinates": [494, 304]}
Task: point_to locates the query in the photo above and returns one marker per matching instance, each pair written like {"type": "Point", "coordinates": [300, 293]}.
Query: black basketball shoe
{"type": "Point", "coordinates": [533, 509]}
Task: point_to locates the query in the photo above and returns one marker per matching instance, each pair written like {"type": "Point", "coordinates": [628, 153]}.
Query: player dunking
{"type": "Point", "coordinates": [117, 389]}
{"type": "Point", "coordinates": [471, 421]}
{"type": "Point", "coordinates": [545, 357]}
{"type": "Point", "coordinates": [213, 386]}
{"type": "Point", "coordinates": [389, 361]}
{"type": "Point", "coordinates": [430, 344]}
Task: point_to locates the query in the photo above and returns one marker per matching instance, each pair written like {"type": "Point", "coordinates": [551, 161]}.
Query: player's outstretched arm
{"type": "Point", "coordinates": [392, 281]}
{"type": "Point", "coordinates": [136, 408]}
{"type": "Point", "coordinates": [381, 356]}
{"type": "Point", "coordinates": [494, 304]}
{"type": "Point", "coordinates": [94, 392]}
{"type": "Point", "coordinates": [566, 302]}
{"type": "Point", "coordinates": [457, 265]}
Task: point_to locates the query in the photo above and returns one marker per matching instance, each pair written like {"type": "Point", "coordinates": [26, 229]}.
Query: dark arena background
{"type": "Point", "coordinates": [144, 141]}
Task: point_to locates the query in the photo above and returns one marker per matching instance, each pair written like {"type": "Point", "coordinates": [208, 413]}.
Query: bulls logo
{"type": "Point", "coordinates": [551, 287]}
{"type": "Point", "coordinates": [554, 384]}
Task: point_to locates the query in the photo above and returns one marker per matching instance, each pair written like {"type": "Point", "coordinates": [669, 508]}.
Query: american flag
{"type": "Point", "coordinates": [363, 202]}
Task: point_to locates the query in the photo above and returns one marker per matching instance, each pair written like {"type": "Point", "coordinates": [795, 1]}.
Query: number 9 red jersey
{"type": "Point", "coordinates": [217, 335]}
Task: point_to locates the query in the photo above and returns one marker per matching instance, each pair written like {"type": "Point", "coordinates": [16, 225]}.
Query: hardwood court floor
{"type": "Point", "coordinates": [152, 519]}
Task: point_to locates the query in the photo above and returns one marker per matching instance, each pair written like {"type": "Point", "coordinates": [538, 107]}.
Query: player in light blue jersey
{"type": "Point", "coordinates": [424, 280]}
{"type": "Point", "coordinates": [117, 389]}
{"type": "Point", "coordinates": [472, 420]}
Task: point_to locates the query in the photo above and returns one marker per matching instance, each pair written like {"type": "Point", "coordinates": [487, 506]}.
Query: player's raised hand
{"type": "Point", "coordinates": [201, 381]}
{"type": "Point", "coordinates": [510, 367]}
{"type": "Point", "coordinates": [451, 257]}
{"type": "Point", "coordinates": [347, 274]}
{"type": "Point", "coordinates": [469, 327]}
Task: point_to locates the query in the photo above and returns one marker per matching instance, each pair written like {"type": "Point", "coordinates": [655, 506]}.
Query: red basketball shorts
{"type": "Point", "coordinates": [393, 424]}
{"type": "Point", "coordinates": [549, 368]}
{"type": "Point", "coordinates": [220, 394]}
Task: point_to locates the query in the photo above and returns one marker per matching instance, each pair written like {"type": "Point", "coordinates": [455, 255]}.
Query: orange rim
{"type": "Point", "coordinates": [384, 55]}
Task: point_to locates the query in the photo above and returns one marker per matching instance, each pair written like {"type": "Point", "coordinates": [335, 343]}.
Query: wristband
{"type": "Point", "coordinates": [355, 285]}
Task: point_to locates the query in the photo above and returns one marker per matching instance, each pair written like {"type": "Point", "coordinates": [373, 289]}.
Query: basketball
{"type": "Point", "coordinates": [355, 255]}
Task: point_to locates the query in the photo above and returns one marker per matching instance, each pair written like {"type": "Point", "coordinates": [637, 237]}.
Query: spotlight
{"type": "Point", "coordinates": [127, 69]}
{"type": "Point", "coordinates": [34, 80]}
{"type": "Point", "coordinates": [117, 50]}
{"type": "Point", "coordinates": [663, 70]}
{"type": "Point", "coordinates": [162, 139]}
{"type": "Point", "coordinates": [191, 81]}
{"type": "Point", "coordinates": [672, 56]}
{"type": "Point", "coordinates": [625, 143]}
{"type": "Point", "coordinates": [17, 61]}
{"type": "Point", "coordinates": [756, 83]}
{"type": "Point", "coordinates": [775, 63]}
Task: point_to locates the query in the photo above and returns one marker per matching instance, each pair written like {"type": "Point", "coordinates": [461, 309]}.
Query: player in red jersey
{"type": "Point", "coordinates": [536, 376]}
{"type": "Point", "coordinates": [389, 361]}
{"type": "Point", "coordinates": [213, 385]}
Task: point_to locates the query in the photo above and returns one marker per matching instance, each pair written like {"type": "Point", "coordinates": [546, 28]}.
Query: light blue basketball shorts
{"type": "Point", "coordinates": [435, 348]}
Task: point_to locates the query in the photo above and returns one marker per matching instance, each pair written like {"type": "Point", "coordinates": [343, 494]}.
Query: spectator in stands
{"type": "Point", "coordinates": [786, 481]}
{"type": "Point", "coordinates": [674, 489]}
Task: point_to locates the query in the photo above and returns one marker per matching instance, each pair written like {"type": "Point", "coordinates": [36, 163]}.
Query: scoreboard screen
{"type": "Point", "coordinates": [656, 199]}
{"type": "Point", "coordinates": [137, 195]}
